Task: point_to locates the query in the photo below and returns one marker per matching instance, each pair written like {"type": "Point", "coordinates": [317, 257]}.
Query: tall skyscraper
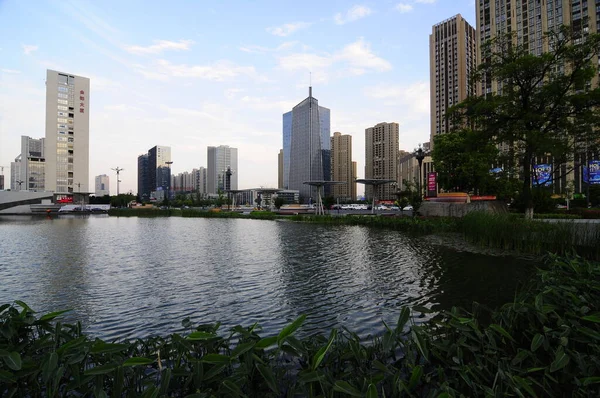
{"type": "Point", "coordinates": [143, 177]}
{"type": "Point", "coordinates": [67, 133]}
{"type": "Point", "coordinates": [452, 59]}
{"type": "Point", "coordinates": [287, 147]}
{"type": "Point", "coordinates": [342, 167]}
{"type": "Point", "coordinates": [306, 132]}
{"type": "Point", "coordinates": [530, 20]}
{"type": "Point", "coordinates": [29, 167]}
{"type": "Point", "coordinates": [159, 169]}
{"type": "Point", "coordinates": [280, 169]}
{"type": "Point", "coordinates": [102, 185]}
{"type": "Point", "coordinates": [381, 158]}
{"type": "Point", "coordinates": [218, 160]}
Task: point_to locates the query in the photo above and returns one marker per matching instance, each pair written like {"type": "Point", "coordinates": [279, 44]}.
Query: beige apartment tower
{"type": "Point", "coordinates": [67, 143]}
{"type": "Point", "coordinates": [452, 59]}
{"type": "Point", "coordinates": [342, 167]}
{"type": "Point", "coordinates": [529, 20]}
{"type": "Point", "coordinates": [381, 158]}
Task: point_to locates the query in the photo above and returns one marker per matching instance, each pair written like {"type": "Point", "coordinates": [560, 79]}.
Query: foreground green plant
{"type": "Point", "coordinates": [545, 343]}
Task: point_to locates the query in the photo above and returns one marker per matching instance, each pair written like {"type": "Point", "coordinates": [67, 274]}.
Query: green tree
{"type": "Point", "coordinates": [463, 160]}
{"type": "Point", "coordinates": [410, 195]}
{"type": "Point", "coordinates": [279, 201]}
{"type": "Point", "coordinates": [545, 105]}
{"type": "Point", "coordinates": [328, 201]}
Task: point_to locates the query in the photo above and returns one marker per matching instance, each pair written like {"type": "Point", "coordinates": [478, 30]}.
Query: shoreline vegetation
{"type": "Point", "coordinates": [544, 343]}
{"type": "Point", "coordinates": [499, 231]}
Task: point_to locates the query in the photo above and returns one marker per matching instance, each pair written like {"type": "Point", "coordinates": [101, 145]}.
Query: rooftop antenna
{"type": "Point", "coordinates": [310, 84]}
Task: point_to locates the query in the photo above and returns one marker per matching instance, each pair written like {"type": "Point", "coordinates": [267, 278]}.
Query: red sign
{"type": "Point", "coordinates": [432, 184]}
{"type": "Point", "coordinates": [81, 104]}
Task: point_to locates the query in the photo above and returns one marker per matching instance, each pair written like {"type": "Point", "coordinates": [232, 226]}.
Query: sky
{"type": "Point", "coordinates": [193, 74]}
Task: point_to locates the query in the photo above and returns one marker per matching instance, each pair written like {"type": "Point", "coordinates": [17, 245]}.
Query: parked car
{"type": "Point", "coordinates": [408, 208]}
{"type": "Point", "coordinates": [394, 208]}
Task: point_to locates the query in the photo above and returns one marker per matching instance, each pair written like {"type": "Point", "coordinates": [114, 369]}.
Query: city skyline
{"type": "Point", "coordinates": [165, 79]}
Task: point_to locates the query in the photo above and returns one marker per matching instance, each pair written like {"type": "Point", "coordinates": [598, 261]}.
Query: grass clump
{"type": "Point", "coordinates": [544, 343]}
{"type": "Point", "coordinates": [512, 232]}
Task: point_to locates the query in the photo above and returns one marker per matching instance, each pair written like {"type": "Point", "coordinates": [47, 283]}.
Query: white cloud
{"type": "Point", "coordinates": [359, 55]}
{"type": "Point", "coordinates": [355, 13]}
{"type": "Point", "coordinates": [11, 71]}
{"type": "Point", "coordinates": [354, 59]}
{"type": "Point", "coordinates": [29, 48]}
{"type": "Point", "coordinates": [232, 93]}
{"type": "Point", "coordinates": [404, 7]}
{"type": "Point", "coordinates": [263, 104]}
{"type": "Point", "coordinates": [218, 71]}
{"type": "Point", "coordinates": [425, 1]}
{"type": "Point", "coordinates": [287, 29]}
{"type": "Point", "coordinates": [253, 49]}
{"type": "Point", "coordinates": [159, 46]}
{"type": "Point", "coordinates": [413, 97]}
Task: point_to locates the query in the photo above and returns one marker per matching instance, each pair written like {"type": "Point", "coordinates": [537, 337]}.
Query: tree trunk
{"type": "Point", "coordinates": [527, 196]}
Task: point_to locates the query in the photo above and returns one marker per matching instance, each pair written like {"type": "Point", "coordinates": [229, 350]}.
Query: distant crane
{"type": "Point", "coordinates": [118, 170]}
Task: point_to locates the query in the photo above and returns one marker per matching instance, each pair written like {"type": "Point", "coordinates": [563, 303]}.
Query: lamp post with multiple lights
{"type": "Point", "coordinates": [420, 155]}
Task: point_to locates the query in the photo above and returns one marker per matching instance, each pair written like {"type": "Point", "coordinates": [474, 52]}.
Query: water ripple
{"type": "Point", "coordinates": [137, 277]}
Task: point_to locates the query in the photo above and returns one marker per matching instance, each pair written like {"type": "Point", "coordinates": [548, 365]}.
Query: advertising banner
{"type": "Point", "coordinates": [591, 174]}
{"type": "Point", "coordinates": [432, 184]}
{"type": "Point", "coordinates": [542, 175]}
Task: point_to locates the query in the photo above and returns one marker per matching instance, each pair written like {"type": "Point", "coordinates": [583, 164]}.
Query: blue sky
{"type": "Point", "coordinates": [189, 74]}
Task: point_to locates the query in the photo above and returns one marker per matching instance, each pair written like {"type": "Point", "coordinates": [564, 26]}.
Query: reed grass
{"type": "Point", "coordinates": [512, 232]}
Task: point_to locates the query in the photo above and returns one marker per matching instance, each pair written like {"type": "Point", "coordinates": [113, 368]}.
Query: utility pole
{"type": "Point", "coordinates": [118, 170]}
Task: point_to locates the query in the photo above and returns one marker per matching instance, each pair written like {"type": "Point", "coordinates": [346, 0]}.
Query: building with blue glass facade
{"type": "Point", "coordinates": [306, 147]}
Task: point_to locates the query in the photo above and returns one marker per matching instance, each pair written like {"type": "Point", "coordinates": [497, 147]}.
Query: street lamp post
{"type": "Point", "coordinates": [228, 186]}
{"type": "Point", "coordinates": [118, 170]}
{"type": "Point", "coordinates": [420, 155]}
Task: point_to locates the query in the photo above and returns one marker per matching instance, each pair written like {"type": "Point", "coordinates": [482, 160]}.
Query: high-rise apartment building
{"type": "Point", "coordinates": [218, 160]}
{"type": "Point", "coordinates": [280, 169]}
{"type": "Point", "coordinates": [342, 167]}
{"type": "Point", "coordinates": [29, 167]}
{"type": "Point", "coordinates": [529, 21]}
{"type": "Point", "coordinates": [67, 143]}
{"type": "Point", "coordinates": [381, 158]}
{"type": "Point", "coordinates": [306, 147]}
{"type": "Point", "coordinates": [102, 185]}
{"type": "Point", "coordinates": [143, 177]}
{"type": "Point", "coordinates": [15, 175]}
{"type": "Point", "coordinates": [199, 176]}
{"type": "Point", "coordinates": [452, 59]}
{"type": "Point", "coordinates": [159, 168]}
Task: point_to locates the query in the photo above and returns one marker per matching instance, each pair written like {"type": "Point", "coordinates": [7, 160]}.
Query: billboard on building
{"type": "Point", "coordinates": [591, 172]}
{"type": "Point", "coordinates": [542, 175]}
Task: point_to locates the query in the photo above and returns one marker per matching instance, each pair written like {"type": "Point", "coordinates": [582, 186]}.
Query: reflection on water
{"type": "Point", "coordinates": [132, 277]}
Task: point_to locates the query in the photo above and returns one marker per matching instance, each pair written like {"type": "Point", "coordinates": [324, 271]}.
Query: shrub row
{"type": "Point", "coordinates": [545, 343]}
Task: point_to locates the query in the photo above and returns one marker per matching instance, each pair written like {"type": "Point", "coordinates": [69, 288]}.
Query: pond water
{"type": "Point", "coordinates": [135, 277]}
